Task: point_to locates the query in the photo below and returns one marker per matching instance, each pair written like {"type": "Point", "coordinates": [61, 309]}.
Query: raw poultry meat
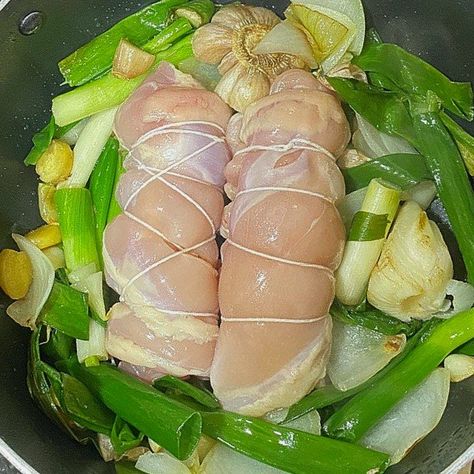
{"type": "Point", "coordinates": [285, 239]}
{"type": "Point", "coordinates": [160, 254]}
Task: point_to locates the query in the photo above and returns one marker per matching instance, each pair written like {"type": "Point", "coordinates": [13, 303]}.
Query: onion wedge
{"type": "Point", "coordinates": [411, 419]}
{"type": "Point", "coordinates": [130, 61]}
{"type": "Point", "coordinates": [358, 353]}
{"type": "Point", "coordinates": [286, 38]}
{"type": "Point", "coordinates": [26, 311]}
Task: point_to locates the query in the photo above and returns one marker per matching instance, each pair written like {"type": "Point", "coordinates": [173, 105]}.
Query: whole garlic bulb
{"type": "Point", "coordinates": [228, 40]}
{"type": "Point", "coordinates": [414, 269]}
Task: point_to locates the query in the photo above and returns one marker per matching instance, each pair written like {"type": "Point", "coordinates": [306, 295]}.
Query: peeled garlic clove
{"type": "Point", "coordinates": [212, 42]}
{"type": "Point", "coordinates": [460, 366]}
{"type": "Point", "coordinates": [264, 16]}
{"type": "Point", "coordinates": [414, 269]}
{"type": "Point", "coordinates": [240, 87]}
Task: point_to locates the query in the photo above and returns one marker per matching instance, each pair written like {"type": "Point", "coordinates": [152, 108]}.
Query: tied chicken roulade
{"type": "Point", "coordinates": [160, 253]}
{"type": "Point", "coordinates": [285, 240]}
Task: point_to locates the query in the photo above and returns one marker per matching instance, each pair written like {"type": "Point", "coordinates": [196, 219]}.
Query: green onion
{"type": "Point", "coordinates": [168, 36]}
{"type": "Point", "coordinates": [109, 91]}
{"type": "Point", "coordinates": [43, 138]}
{"type": "Point", "coordinates": [374, 319]}
{"type": "Point", "coordinates": [363, 411]}
{"type": "Point", "coordinates": [403, 170]}
{"type": "Point", "coordinates": [467, 348]}
{"type": "Point", "coordinates": [290, 450]}
{"type": "Point", "coordinates": [93, 350]}
{"type": "Point", "coordinates": [84, 408]}
{"type": "Point", "coordinates": [198, 12]}
{"type": "Point", "coordinates": [58, 346]}
{"type": "Point", "coordinates": [464, 141]}
{"type": "Point", "coordinates": [77, 224]}
{"type": "Point", "coordinates": [172, 425]}
{"type": "Point", "coordinates": [114, 208]}
{"type": "Point", "coordinates": [202, 396]}
{"type": "Point", "coordinates": [414, 76]}
{"type": "Point", "coordinates": [367, 234]}
{"type": "Point", "coordinates": [95, 58]}
{"type": "Point", "coordinates": [123, 437]}
{"type": "Point", "coordinates": [101, 186]}
{"type": "Point", "coordinates": [328, 395]}
{"type": "Point", "coordinates": [89, 147]}
{"type": "Point", "coordinates": [66, 310]}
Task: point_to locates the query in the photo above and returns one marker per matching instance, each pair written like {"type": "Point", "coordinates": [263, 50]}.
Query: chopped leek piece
{"type": "Point", "coordinates": [94, 346]}
{"type": "Point", "coordinates": [66, 310]}
{"type": "Point", "coordinates": [198, 12]}
{"type": "Point", "coordinates": [77, 223]}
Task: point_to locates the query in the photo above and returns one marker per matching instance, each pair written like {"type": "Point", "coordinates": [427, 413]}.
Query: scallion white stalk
{"type": "Point", "coordinates": [94, 348]}
{"type": "Point", "coordinates": [89, 146]}
{"type": "Point", "coordinates": [369, 228]}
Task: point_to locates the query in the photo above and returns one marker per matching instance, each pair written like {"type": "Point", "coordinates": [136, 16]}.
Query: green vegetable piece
{"type": "Point", "coordinates": [387, 111]}
{"type": "Point", "coordinates": [123, 437]}
{"type": "Point", "coordinates": [367, 226]}
{"type": "Point", "coordinates": [95, 58]}
{"type": "Point", "coordinates": [198, 12]}
{"type": "Point", "coordinates": [114, 207]}
{"type": "Point", "coordinates": [467, 348]}
{"type": "Point", "coordinates": [84, 408]}
{"type": "Point", "coordinates": [168, 36]}
{"type": "Point", "coordinates": [101, 186]}
{"type": "Point", "coordinates": [43, 138]}
{"type": "Point", "coordinates": [414, 76]}
{"type": "Point", "coordinates": [61, 275]}
{"type": "Point", "coordinates": [170, 424]}
{"type": "Point", "coordinates": [328, 395]}
{"type": "Point", "coordinates": [360, 413]}
{"type": "Point", "coordinates": [110, 91]}
{"type": "Point", "coordinates": [66, 309]}
{"type": "Point", "coordinates": [58, 347]}
{"type": "Point", "coordinates": [201, 395]}
{"type": "Point", "coordinates": [452, 181]}
{"type": "Point", "coordinates": [44, 385]}
{"type": "Point", "coordinates": [403, 170]}
{"type": "Point", "coordinates": [464, 141]}
{"type": "Point", "coordinates": [290, 450]}
{"type": "Point", "coordinates": [374, 319]}
{"type": "Point", "coordinates": [77, 224]}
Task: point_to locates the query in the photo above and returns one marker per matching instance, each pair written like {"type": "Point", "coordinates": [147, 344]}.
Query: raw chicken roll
{"type": "Point", "coordinates": [285, 239]}
{"type": "Point", "coordinates": [160, 254]}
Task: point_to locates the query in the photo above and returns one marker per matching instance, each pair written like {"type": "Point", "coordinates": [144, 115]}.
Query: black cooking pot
{"type": "Point", "coordinates": [441, 31]}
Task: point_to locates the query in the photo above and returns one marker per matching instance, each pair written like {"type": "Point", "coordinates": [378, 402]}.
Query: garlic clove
{"type": "Point", "coordinates": [212, 42]}
{"type": "Point", "coordinates": [227, 63]}
{"type": "Point", "coordinates": [233, 16]}
{"type": "Point", "coordinates": [240, 87]}
{"type": "Point", "coordinates": [264, 16]}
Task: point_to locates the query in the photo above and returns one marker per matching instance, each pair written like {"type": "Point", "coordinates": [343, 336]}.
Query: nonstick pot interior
{"type": "Point", "coordinates": [438, 30]}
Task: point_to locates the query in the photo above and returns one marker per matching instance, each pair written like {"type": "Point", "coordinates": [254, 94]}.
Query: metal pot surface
{"type": "Point", "coordinates": [438, 30]}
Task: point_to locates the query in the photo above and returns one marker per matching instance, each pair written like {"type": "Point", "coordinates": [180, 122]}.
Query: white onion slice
{"type": "Point", "coordinates": [26, 311]}
{"type": "Point", "coordinates": [423, 193]}
{"type": "Point", "coordinates": [72, 135]}
{"type": "Point", "coordinates": [161, 463]}
{"type": "Point", "coordinates": [358, 353]}
{"type": "Point", "coordinates": [460, 366]}
{"type": "Point", "coordinates": [462, 294]}
{"type": "Point", "coordinates": [375, 144]}
{"type": "Point", "coordinates": [411, 419]}
{"type": "Point", "coordinates": [287, 38]}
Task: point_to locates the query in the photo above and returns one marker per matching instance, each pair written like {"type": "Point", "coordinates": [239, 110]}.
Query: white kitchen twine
{"type": "Point", "coordinates": [295, 144]}
{"type": "Point", "coordinates": [158, 174]}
